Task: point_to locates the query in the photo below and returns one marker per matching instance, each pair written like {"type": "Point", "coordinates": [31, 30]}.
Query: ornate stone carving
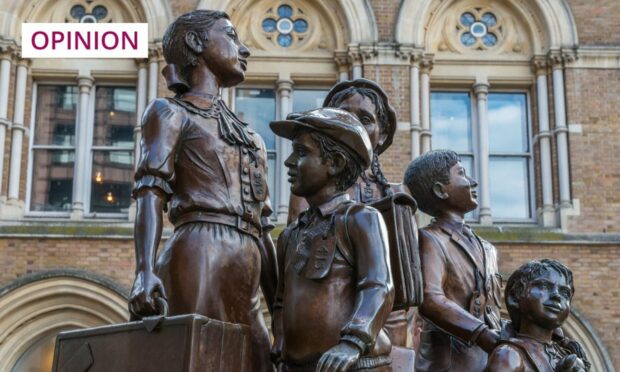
{"type": "Point", "coordinates": [283, 25]}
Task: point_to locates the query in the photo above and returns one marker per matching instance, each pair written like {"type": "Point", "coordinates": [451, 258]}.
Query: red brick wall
{"type": "Point", "coordinates": [386, 13]}
{"type": "Point", "coordinates": [598, 21]}
{"type": "Point", "coordinates": [592, 101]}
{"type": "Point", "coordinates": [111, 258]}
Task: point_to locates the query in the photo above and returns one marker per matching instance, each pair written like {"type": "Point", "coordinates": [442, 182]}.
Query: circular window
{"type": "Point", "coordinates": [269, 25]}
{"type": "Point", "coordinates": [288, 24]}
{"type": "Point", "coordinates": [301, 25]}
{"type": "Point", "coordinates": [285, 40]}
{"type": "Point", "coordinates": [285, 11]}
{"type": "Point", "coordinates": [478, 29]}
{"type": "Point", "coordinates": [285, 26]}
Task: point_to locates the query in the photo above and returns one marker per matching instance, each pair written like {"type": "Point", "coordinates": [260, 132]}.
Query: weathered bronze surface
{"type": "Point", "coordinates": [461, 280]}
{"type": "Point", "coordinates": [369, 102]}
{"type": "Point", "coordinates": [184, 343]}
{"type": "Point", "coordinates": [335, 290]}
{"type": "Point", "coordinates": [208, 170]}
{"type": "Point", "coordinates": [538, 297]}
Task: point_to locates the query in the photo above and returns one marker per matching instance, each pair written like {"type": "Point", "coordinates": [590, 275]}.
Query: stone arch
{"type": "Point", "coordinates": [360, 19]}
{"type": "Point", "coordinates": [553, 24]}
{"type": "Point", "coordinates": [156, 13]}
{"type": "Point", "coordinates": [578, 328]}
{"type": "Point", "coordinates": [36, 305]}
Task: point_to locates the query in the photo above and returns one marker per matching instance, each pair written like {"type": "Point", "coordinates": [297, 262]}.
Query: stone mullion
{"type": "Point", "coordinates": [426, 65]}
{"type": "Point", "coordinates": [547, 215]}
{"type": "Point", "coordinates": [481, 90]}
{"type": "Point", "coordinates": [284, 89]}
{"type": "Point", "coordinates": [17, 129]}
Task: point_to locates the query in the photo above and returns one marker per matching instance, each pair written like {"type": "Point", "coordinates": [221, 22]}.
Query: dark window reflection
{"type": "Point", "coordinates": [53, 149]}
{"type": "Point", "coordinates": [113, 156]}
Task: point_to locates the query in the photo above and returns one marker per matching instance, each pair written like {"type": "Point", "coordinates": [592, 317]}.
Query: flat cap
{"type": "Point", "coordinates": [339, 125]}
{"type": "Point", "coordinates": [389, 125]}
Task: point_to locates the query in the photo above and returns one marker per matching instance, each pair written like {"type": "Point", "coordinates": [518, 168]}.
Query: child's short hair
{"type": "Point", "coordinates": [423, 172]}
{"type": "Point", "coordinates": [519, 280]}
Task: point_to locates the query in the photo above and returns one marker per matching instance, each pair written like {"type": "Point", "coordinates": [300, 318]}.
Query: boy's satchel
{"type": "Point", "coordinates": [397, 211]}
{"type": "Point", "coordinates": [184, 343]}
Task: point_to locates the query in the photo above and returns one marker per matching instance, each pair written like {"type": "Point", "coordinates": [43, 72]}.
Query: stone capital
{"type": "Point", "coordinates": [556, 61]}
{"type": "Point", "coordinates": [426, 63]}
{"type": "Point", "coordinates": [85, 83]}
{"type": "Point", "coordinates": [481, 89]}
{"type": "Point", "coordinates": [156, 53]}
{"type": "Point", "coordinates": [284, 87]}
{"type": "Point", "coordinates": [540, 65]}
{"type": "Point", "coordinates": [342, 60]}
{"type": "Point", "coordinates": [354, 55]}
{"type": "Point", "coordinates": [368, 52]}
{"type": "Point", "coordinates": [141, 62]}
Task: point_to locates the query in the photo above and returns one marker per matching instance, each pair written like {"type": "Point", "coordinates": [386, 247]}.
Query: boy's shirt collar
{"type": "Point", "coordinates": [324, 209]}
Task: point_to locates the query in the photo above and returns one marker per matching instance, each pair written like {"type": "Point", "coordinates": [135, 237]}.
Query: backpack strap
{"type": "Point", "coordinates": [346, 247]}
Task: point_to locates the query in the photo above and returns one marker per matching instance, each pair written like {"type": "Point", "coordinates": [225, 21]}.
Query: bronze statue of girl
{"type": "Point", "coordinates": [207, 169]}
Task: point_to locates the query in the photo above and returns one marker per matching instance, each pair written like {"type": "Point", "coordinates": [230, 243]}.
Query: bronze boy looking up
{"type": "Point", "coordinates": [335, 290]}
{"type": "Point", "coordinates": [208, 170]}
{"type": "Point", "coordinates": [538, 297]}
{"type": "Point", "coordinates": [461, 281]}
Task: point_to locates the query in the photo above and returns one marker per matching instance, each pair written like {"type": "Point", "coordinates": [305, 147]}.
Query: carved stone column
{"type": "Point", "coordinates": [141, 96]}
{"type": "Point", "coordinates": [414, 87]}
{"type": "Point", "coordinates": [356, 60]}
{"type": "Point", "coordinates": [561, 129]}
{"type": "Point", "coordinates": [17, 130]}
{"type": "Point", "coordinates": [6, 58]}
{"type": "Point", "coordinates": [85, 83]}
{"type": "Point", "coordinates": [426, 65]}
{"type": "Point", "coordinates": [342, 60]}
{"type": "Point", "coordinates": [481, 89]}
{"type": "Point", "coordinates": [546, 215]}
{"type": "Point", "coordinates": [155, 56]}
{"type": "Point", "coordinates": [284, 89]}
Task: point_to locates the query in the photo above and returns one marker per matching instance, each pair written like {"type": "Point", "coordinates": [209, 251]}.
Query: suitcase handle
{"type": "Point", "coordinates": [162, 305]}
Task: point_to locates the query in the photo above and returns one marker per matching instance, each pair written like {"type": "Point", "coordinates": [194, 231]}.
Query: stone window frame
{"type": "Point", "coordinates": [476, 152]}
{"type": "Point", "coordinates": [83, 145]}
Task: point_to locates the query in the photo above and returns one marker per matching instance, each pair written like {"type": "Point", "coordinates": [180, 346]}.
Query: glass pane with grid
{"type": "Point", "coordinates": [112, 152]}
{"type": "Point", "coordinates": [53, 149]}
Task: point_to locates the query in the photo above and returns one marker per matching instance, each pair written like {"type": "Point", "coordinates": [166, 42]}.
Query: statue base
{"type": "Point", "coordinates": [184, 343]}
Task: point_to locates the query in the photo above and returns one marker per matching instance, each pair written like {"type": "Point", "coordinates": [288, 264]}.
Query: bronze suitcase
{"type": "Point", "coordinates": [184, 343]}
{"type": "Point", "coordinates": [397, 211]}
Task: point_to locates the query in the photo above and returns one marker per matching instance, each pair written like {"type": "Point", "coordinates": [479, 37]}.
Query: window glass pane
{"type": "Point", "coordinates": [52, 180]}
{"type": "Point", "coordinates": [55, 118]}
{"type": "Point", "coordinates": [451, 121]}
{"type": "Point", "coordinates": [507, 122]}
{"type": "Point", "coordinates": [115, 116]}
{"type": "Point", "coordinates": [258, 107]}
{"type": "Point", "coordinates": [509, 188]}
{"type": "Point", "coordinates": [304, 100]}
{"type": "Point", "coordinates": [112, 181]}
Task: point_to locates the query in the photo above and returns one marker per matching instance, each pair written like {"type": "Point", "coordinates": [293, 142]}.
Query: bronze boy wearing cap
{"type": "Point", "coordinates": [335, 288]}
{"type": "Point", "coordinates": [369, 103]}
{"type": "Point", "coordinates": [461, 281]}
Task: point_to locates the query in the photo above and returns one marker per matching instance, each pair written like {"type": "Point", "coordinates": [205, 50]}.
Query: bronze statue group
{"type": "Point", "coordinates": [352, 279]}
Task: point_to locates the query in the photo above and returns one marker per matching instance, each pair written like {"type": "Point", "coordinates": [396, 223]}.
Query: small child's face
{"type": "Point", "coordinates": [546, 301]}
{"type": "Point", "coordinates": [307, 171]}
{"type": "Point", "coordinates": [461, 190]}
